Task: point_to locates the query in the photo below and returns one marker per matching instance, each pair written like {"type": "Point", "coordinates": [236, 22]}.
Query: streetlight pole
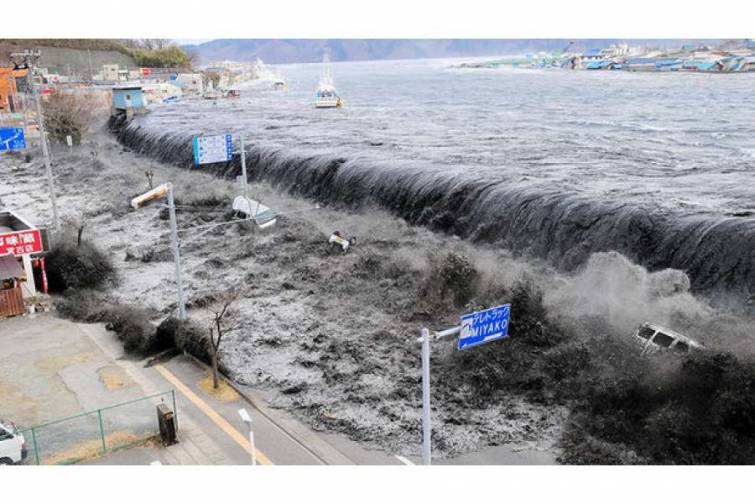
{"type": "Point", "coordinates": [157, 193]}
{"type": "Point", "coordinates": [176, 252]}
{"type": "Point", "coordinates": [247, 419]}
{"type": "Point", "coordinates": [426, 428]}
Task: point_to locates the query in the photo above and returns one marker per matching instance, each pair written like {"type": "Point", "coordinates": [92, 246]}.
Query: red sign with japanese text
{"type": "Point", "coordinates": [20, 243]}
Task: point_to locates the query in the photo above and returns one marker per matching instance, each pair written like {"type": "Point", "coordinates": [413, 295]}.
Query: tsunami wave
{"type": "Point", "coordinates": [717, 252]}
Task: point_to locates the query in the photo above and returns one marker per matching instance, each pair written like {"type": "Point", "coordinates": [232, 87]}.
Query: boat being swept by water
{"type": "Point", "coordinates": [326, 95]}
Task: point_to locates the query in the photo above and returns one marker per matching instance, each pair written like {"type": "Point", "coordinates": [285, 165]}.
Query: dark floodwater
{"type": "Point", "coordinates": [552, 163]}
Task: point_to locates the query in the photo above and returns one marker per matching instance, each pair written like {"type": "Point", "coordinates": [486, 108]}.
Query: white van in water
{"type": "Point", "coordinates": [12, 444]}
{"type": "Point", "coordinates": [653, 338]}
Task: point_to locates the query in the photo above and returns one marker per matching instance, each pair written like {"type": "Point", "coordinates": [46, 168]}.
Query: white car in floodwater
{"type": "Point", "coordinates": [653, 338]}
{"type": "Point", "coordinates": [12, 444]}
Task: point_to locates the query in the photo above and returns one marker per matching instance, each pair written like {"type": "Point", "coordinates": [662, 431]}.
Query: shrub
{"type": "Point", "coordinates": [83, 306]}
{"type": "Point", "coordinates": [133, 329]}
{"type": "Point", "coordinates": [452, 278]}
{"type": "Point", "coordinates": [78, 267]}
{"type": "Point", "coordinates": [130, 324]}
{"type": "Point", "coordinates": [70, 114]}
{"type": "Point", "coordinates": [187, 337]}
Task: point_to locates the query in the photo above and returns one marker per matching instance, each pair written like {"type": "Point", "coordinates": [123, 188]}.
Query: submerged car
{"type": "Point", "coordinates": [12, 444]}
{"type": "Point", "coordinates": [654, 338]}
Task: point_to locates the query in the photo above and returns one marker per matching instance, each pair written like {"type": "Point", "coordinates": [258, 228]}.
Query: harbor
{"type": "Point", "coordinates": [730, 57]}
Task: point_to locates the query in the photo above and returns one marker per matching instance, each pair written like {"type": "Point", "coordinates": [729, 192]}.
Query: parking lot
{"type": "Point", "coordinates": [51, 369]}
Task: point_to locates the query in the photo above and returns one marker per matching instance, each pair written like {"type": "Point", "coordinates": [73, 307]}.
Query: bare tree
{"type": "Point", "coordinates": [219, 327]}
{"type": "Point", "coordinates": [76, 222]}
{"type": "Point", "coordinates": [71, 114]}
{"type": "Point", "coordinates": [150, 175]}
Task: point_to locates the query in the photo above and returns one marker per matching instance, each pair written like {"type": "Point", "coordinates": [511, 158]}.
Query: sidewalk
{"type": "Point", "coordinates": [210, 430]}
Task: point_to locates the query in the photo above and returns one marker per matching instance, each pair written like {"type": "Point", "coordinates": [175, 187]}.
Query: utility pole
{"type": "Point", "coordinates": [426, 428]}
{"type": "Point", "coordinates": [89, 55]}
{"type": "Point", "coordinates": [243, 168]}
{"type": "Point", "coordinates": [29, 58]}
{"type": "Point", "coordinates": [176, 252]}
{"type": "Point", "coordinates": [158, 193]}
{"type": "Point", "coordinates": [245, 186]}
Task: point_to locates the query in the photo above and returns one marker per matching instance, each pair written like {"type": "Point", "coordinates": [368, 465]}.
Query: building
{"type": "Point", "coordinates": [110, 72]}
{"type": "Point", "coordinates": [190, 83]}
{"type": "Point", "coordinates": [592, 55]}
{"type": "Point", "coordinates": [128, 100]}
{"type": "Point", "coordinates": [157, 92]}
{"type": "Point", "coordinates": [19, 242]}
{"type": "Point", "coordinates": [12, 82]}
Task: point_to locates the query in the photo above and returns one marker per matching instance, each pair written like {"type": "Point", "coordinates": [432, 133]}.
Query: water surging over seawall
{"type": "Point", "coordinates": [717, 252]}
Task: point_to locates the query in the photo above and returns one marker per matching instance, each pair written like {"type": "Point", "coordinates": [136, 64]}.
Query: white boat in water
{"type": "Point", "coordinates": [326, 95]}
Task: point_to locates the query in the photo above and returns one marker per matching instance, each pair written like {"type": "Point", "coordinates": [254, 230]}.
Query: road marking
{"type": "Point", "coordinates": [404, 460]}
{"type": "Point", "coordinates": [221, 422]}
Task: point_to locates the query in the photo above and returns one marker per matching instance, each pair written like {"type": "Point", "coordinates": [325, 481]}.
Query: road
{"type": "Point", "coordinates": [53, 368]}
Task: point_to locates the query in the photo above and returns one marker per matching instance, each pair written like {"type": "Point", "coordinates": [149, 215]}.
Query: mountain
{"type": "Point", "coordinates": [311, 50]}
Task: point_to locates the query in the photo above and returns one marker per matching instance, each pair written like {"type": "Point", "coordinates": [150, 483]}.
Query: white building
{"type": "Point", "coordinates": [110, 72]}
{"type": "Point", "coordinates": [190, 83]}
{"type": "Point", "coordinates": [158, 91]}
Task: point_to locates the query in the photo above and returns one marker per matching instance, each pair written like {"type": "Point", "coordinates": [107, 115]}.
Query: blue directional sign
{"type": "Point", "coordinates": [213, 149]}
{"type": "Point", "coordinates": [484, 326]}
{"type": "Point", "coordinates": [12, 139]}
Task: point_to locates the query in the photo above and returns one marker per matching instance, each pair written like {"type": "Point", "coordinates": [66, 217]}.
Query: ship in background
{"type": "Point", "coordinates": [326, 95]}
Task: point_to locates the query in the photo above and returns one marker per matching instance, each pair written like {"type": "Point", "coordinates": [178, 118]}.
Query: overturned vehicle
{"type": "Point", "coordinates": [654, 338]}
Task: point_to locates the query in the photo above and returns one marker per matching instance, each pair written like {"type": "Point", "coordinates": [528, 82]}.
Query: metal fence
{"type": "Point", "coordinates": [94, 433]}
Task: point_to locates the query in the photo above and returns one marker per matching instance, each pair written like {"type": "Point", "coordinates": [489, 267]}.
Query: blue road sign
{"type": "Point", "coordinates": [484, 326]}
{"type": "Point", "coordinates": [213, 149]}
{"type": "Point", "coordinates": [12, 139]}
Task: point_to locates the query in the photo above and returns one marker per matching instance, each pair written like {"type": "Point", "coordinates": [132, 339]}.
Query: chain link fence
{"type": "Point", "coordinates": [94, 433]}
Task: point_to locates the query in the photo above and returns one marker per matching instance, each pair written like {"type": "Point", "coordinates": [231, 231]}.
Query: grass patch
{"type": "Point", "coordinates": [89, 450]}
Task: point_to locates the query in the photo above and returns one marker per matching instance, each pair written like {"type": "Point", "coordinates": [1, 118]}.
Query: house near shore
{"type": "Point", "coordinates": [128, 100]}
{"type": "Point", "coordinates": [21, 244]}
{"type": "Point", "coordinates": [11, 81]}
{"type": "Point", "coordinates": [190, 82]}
{"type": "Point", "coordinates": [158, 92]}
{"type": "Point", "coordinates": [592, 54]}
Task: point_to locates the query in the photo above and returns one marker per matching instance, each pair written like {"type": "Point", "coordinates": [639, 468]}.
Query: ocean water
{"type": "Point", "coordinates": [553, 163]}
{"type": "Point", "coordinates": [677, 140]}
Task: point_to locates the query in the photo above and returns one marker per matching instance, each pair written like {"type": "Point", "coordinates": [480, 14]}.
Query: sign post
{"type": "Point", "coordinates": [213, 149]}
{"type": "Point", "coordinates": [475, 329]}
{"type": "Point", "coordinates": [12, 139]}
{"type": "Point", "coordinates": [484, 326]}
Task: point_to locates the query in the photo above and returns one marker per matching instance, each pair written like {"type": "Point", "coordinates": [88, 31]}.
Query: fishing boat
{"type": "Point", "coordinates": [326, 95]}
